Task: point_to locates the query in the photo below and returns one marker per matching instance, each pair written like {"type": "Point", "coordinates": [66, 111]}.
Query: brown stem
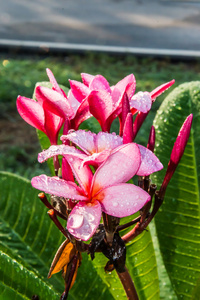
{"type": "Point", "coordinates": [124, 226]}
{"type": "Point", "coordinates": [128, 285]}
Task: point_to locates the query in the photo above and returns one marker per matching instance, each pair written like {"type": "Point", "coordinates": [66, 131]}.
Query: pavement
{"type": "Point", "coordinates": [129, 24]}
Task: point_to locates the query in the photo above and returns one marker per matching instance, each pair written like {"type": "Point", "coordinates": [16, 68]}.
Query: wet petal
{"type": "Point", "coordinates": [79, 90]}
{"type": "Point", "coordinates": [54, 83]}
{"type": "Point", "coordinates": [127, 84]}
{"type": "Point", "coordinates": [99, 83]}
{"type": "Point", "coordinates": [55, 102]}
{"type": "Point", "coordinates": [141, 101]}
{"type": "Point", "coordinates": [57, 187]}
{"type": "Point", "coordinates": [74, 103]}
{"type": "Point", "coordinates": [59, 150]}
{"type": "Point", "coordinates": [160, 89]}
{"type": "Point", "coordinates": [122, 200]}
{"type": "Point", "coordinates": [97, 158]}
{"type": "Point", "coordinates": [119, 167]}
{"type": "Point", "coordinates": [83, 174]}
{"type": "Point", "coordinates": [32, 112]}
{"type": "Point", "coordinates": [149, 162]}
{"type": "Point", "coordinates": [83, 139]}
{"type": "Point", "coordinates": [84, 220]}
{"type": "Point", "coordinates": [86, 78]}
{"type": "Point", "coordinates": [106, 140]}
{"type": "Point", "coordinates": [101, 106]}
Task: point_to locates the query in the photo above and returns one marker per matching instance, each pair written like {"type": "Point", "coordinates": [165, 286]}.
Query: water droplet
{"type": "Point", "coordinates": [75, 221]}
{"type": "Point", "coordinates": [115, 204]}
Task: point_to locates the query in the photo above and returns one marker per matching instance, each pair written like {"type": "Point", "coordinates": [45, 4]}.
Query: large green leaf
{"type": "Point", "coordinates": [178, 221]}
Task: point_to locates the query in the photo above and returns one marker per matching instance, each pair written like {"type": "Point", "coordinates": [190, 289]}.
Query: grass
{"type": "Point", "coordinates": [18, 75]}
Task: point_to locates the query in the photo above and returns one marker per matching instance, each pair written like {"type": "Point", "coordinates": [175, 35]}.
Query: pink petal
{"type": "Point", "coordinates": [160, 89]}
{"type": "Point", "coordinates": [97, 158]}
{"type": "Point", "coordinates": [99, 83]}
{"type": "Point", "coordinates": [53, 124]}
{"type": "Point", "coordinates": [84, 219]}
{"type": "Point", "coordinates": [83, 174]}
{"type": "Point", "coordinates": [57, 187]}
{"type": "Point", "coordinates": [59, 150]}
{"type": "Point", "coordinates": [128, 129]}
{"type": "Point", "coordinates": [149, 162]}
{"type": "Point", "coordinates": [101, 106]}
{"type": "Point", "coordinates": [74, 103]}
{"type": "Point", "coordinates": [122, 200]}
{"type": "Point", "coordinates": [127, 84]}
{"type": "Point", "coordinates": [82, 114]}
{"type": "Point", "coordinates": [83, 139]}
{"type": "Point", "coordinates": [66, 171]}
{"type": "Point", "coordinates": [79, 90]}
{"type": "Point", "coordinates": [54, 83]}
{"type": "Point", "coordinates": [106, 140]}
{"type": "Point", "coordinates": [55, 102]}
{"type": "Point", "coordinates": [32, 112]}
{"type": "Point", "coordinates": [141, 101]}
{"type": "Point", "coordinates": [86, 78]}
{"type": "Point", "coordinates": [119, 167]}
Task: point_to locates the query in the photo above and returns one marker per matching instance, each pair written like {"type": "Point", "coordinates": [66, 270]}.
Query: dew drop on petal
{"type": "Point", "coordinates": [75, 221]}
{"type": "Point", "coordinates": [115, 204]}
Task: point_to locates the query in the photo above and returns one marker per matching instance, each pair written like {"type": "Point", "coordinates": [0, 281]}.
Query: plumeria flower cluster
{"type": "Point", "coordinates": [93, 178]}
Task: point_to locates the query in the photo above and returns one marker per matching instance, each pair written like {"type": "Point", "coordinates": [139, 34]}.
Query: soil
{"type": "Point", "coordinates": [14, 131]}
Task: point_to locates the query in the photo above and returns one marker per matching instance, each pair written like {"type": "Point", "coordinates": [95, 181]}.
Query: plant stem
{"type": "Point", "coordinates": [128, 285]}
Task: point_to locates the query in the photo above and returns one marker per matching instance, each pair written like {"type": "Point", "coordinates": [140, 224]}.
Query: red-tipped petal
{"type": "Point", "coordinates": [86, 78]}
{"type": "Point", "coordinates": [160, 89]}
{"type": "Point", "coordinates": [54, 101]}
{"type": "Point", "coordinates": [128, 129]}
{"type": "Point", "coordinates": [101, 106]}
{"type": "Point", "coordinates": [32, 112]}
{"type": "Point", "coordinates": [84, 219]}
{"type": "Point", "coordinates": [152, 138]}
{"type": "Point", "coordinates": [79, 90]}
{"type": "Point", "coordinates": [177, 152]}
{"type": "Point", "coordinates": [99, 83]}
{"type": "Point", "coordinates": [54, 83]}
{"type": "Point", "coordinates": [66, 171]}
{"type": "Point", "coordinates": [122, 200]}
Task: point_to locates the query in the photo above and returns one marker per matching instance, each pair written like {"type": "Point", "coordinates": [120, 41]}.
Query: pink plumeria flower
{"type": "Point", "coordinates": [105, 102]}
{"type": "Point", "coordinates": [96, 148]}
{"type": "Point", "coordinates": [105, 191]}
{"type": "Point", "coordinates": [75, 110]}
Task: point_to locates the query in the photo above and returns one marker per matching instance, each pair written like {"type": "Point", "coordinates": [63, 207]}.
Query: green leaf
{"type": "Point", "coordinates": [178, 221]}
{"type": "Point", "coordinates": [17, 282]}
